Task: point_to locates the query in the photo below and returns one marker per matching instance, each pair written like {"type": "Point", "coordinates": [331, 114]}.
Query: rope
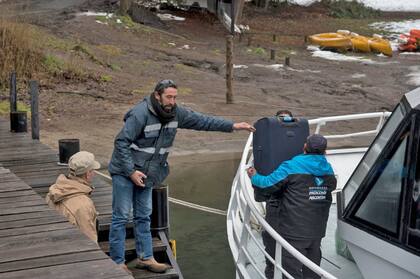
{"type": "Point", "coordinates": [184, 203]}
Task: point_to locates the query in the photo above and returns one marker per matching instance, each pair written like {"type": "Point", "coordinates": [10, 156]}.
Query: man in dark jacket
{"type": "Point", "coordinates": [306, 182]}
{"type": "Point", "coordinates": [139, 163]}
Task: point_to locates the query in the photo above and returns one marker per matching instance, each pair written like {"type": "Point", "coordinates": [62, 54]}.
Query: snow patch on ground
{"type": "Point", "coordinates": [168, 17]}
{"type": "Point", "coordinates": [358, 75]}
{"type": "Point", "coordinates": [275, 67]}
{"type": "Point", "coordinates": [410, 53]}
{"type": "Point", "coordinates": [329, 55]}
{"type": "Point", "coordinates": [95, 14]}
{"type": "Point", "coordinates": [388, 5]}
{"type": "Point", "coordinates": [414, 76]}
{"type": "Point", "coordinates": [334, 56]}
{"type": "Point", "coordinates": [397, 27]}
{"type": "Point", "coordinates": [303, 71]}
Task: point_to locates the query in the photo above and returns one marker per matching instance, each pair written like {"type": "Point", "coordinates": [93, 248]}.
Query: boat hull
{"type": "Point", "coordinates": [377, 258]}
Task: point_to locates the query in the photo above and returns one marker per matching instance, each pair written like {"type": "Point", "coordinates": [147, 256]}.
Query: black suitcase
{"type": "Point", "coordinates": [276, 140]}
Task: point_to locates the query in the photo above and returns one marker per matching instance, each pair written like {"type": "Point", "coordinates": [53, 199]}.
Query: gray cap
{"type": "Point", "coordinates": [82, 162]}
{"type": "Point", "coordinates": [316, 143]}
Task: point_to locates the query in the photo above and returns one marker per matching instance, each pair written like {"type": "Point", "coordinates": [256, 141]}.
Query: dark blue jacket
{"type": "Point", "coordinates": [305, 183]}
{"type": "Point", "coordinates": [144, 143]}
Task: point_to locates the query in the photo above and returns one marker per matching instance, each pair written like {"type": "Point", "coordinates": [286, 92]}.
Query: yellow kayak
{"type": "Point", "coordinates": [381, 45]}
{"type": "Point", "coordinates": [331, 40]}
{"type": "Point", "coordinates": [359, 43]}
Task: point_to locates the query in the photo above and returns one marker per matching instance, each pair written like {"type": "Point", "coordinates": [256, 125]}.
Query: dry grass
{"type": "Point", "coordinates": [19, 51]}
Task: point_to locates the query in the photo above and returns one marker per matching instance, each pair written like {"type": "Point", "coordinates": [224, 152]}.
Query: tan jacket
{"type": "Point", "coordinates": [70, 197]}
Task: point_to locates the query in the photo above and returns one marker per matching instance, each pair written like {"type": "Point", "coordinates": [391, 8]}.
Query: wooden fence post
{"type": "Point", "coordinates": [229, 69]}
{"type": "Point", "coordinates": [272, 54]}
{"type": "Point", "coordinates": [33, 87]}
{"type": "Point", "coordinates": [287, 61]}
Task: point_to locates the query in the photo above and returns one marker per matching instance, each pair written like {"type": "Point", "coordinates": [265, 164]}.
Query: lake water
{"type": "Point", "coordinates": [202, 246]}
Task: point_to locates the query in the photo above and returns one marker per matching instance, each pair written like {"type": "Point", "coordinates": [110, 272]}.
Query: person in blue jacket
{"type": "Point", "coordinates": [139, 162]}
{"type": "Point", "coordinates": [306, 182]}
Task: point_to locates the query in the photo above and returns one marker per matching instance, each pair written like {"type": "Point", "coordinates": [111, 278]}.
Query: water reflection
{"type": "Point", "coordinates": [202, 247]}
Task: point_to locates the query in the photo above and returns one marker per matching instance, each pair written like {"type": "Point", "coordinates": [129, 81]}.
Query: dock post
{"type": "Point", "coordinates": [33, 87]}
{"type": "Point", "coordinates": [18, 122]}
{"type": "Point", "coordinates": [13, 95]}
{"type": "Point", "coordinates": [66, 148]}
{"type": "Point", "coordinates": [229, 69]}
{"type": "Point", "coordinates": [159, 219]}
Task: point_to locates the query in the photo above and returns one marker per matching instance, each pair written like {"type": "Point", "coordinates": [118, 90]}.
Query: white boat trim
{"type": "Point", "coordinates": [246, 217]}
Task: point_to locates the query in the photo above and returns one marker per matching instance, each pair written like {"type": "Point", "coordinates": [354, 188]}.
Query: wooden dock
{"type": "Point", "coordinates": [35, 241]}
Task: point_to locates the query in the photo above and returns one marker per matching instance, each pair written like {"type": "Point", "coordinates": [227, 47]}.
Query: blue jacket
{"type": "Point", "coordinates": [316, 165]}
{"type": "Point", "coordinates": [144, 143]}
{"type": "Point", "coordinates": [301, 200]}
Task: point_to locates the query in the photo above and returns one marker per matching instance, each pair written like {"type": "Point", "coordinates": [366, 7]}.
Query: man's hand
{"type": "Point", "coordinates": [251, 172]}
{"type": "Point", "coordinates": [138, 178]}
{"type": "Point", "coordinates": [243, 126]}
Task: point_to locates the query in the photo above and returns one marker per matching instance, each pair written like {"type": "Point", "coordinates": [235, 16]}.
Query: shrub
{"type": "Point", "coordinates": [19, 51]}
{"type": "Point", "coordinates": [350, 9]}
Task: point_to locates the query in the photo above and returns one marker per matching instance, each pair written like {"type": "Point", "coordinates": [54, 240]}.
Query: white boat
{"type": "Point", "coordinates": [377, 211]}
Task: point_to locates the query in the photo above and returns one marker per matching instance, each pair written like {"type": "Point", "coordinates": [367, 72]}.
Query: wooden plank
{"type": "Point", "coordinates": [18, 199]}
{"type": "Point", "coordinates": [28, 148]}
{"type": "Point", "coordinates": [103, 268]}
{"type": "Point", "coordinates": [51, 261]}
{"type": "Point", "coordinates": [14, 248]}
{"type": "Point", "coordinates": [13, 187]}
{"type": "Point", "coordinates": [35, 229]}
{"type": "Point", "coordinates": [33, 215]}
{"type": "Point", "coordinates": [18, 204]}
{"type": "Point", "coordinates": [18, 193]}
{"type": "Point", "coordinates": [28, 209]}
{"type": "Point", "coordinates": [32, 222]}
{"type": "Point", "coordinates": [33, 162]}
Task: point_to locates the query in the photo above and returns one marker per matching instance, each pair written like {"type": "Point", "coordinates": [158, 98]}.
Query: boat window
{"type": "Point", "coordinates": [382, 204]}
{"type": "Point", "coordinates": [414, 227]}
{"type": "Point", "coordinates": [416, 205]}
{"type": "Point", "coordinates": [372, 154]}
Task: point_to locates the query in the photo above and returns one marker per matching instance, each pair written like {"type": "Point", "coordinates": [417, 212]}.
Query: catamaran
{"type": "Point", "coordinates": [374, 227]}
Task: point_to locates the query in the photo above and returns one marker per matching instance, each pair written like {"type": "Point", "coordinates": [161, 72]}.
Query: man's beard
{"type": "Point", "coordinates": [167, 108]}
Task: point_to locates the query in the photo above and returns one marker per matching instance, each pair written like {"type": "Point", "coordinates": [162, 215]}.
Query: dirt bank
{"type": "Point", "coordinates": [192, 52]}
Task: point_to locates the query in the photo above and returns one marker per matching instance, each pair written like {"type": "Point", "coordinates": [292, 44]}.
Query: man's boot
{"type": "Point", "coordinates": [152, 265]}
{"type": "Point", "coordinates": [125, 268]}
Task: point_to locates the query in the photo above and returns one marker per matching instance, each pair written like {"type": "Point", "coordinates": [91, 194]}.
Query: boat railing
{"type": "Point", "coordinates": [322, 121]}
{"type": "Point", "coordinates": [245, 218]}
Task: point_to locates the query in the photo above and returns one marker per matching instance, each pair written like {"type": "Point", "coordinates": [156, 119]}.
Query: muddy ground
{"type": "Point", "coordinates": [92, 109]}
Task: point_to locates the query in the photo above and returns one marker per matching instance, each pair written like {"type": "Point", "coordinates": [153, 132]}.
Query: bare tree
{"type": "Point", "coordinates": [124, 6]}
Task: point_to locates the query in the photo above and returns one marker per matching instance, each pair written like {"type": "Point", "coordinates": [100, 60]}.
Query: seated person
{"type": "Point", "coordinates": [70, 194]}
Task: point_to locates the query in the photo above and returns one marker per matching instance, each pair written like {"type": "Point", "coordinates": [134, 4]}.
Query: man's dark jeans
{"type": "Point", "coordinates": [308, 247]}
